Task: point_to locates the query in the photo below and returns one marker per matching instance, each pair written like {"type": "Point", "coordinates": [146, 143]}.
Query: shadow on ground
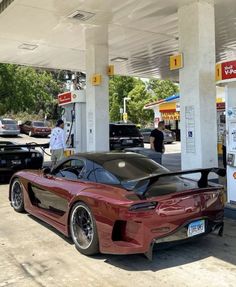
{"type": "Point", "coordinates": [222, 248]}
{"type": "Point", "coordinates": [164, 257]}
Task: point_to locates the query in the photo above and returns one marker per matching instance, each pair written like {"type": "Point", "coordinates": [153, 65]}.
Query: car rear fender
{"type": "Point", "coordinates": [207, 201]}
{"type": "Point", "coordinates": [84, 199]}
{"type": "Point", "coordinates": [100, 201]}
{"type": "Point", "coordinates": [86, 196]}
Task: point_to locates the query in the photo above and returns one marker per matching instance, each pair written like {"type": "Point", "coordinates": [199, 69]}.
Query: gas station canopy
{"type": "Point", "coordinates": [142, 34]}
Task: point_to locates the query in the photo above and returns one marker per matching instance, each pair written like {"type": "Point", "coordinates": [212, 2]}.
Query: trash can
{"type": "Point", "coordinates": [156, 156]}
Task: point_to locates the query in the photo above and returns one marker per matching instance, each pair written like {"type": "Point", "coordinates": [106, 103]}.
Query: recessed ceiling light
{"type": "Point", "coordinates": [119, 59]}
{"type": "Point", "coordinates": [26, 46]}
{"type": "Point", "coordinates": [81, 15]}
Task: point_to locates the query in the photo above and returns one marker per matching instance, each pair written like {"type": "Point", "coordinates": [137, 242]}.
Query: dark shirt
{"type": "Point", "coordinates": [159, 138]}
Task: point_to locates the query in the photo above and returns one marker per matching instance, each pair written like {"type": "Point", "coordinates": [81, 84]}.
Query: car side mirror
{"type": "Point", "coordinates": [46, 170]}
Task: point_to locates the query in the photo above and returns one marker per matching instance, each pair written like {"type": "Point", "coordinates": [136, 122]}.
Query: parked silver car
{"type": "Point", "coordinates": [169, 136]}
{"type": "Point", "coordinates": [8, 127]}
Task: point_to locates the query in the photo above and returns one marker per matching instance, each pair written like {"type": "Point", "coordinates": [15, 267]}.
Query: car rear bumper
{"type": "Point", "coordinates": [9, 132]}
{"type": "Point", "coordinates": [144, 240]}
{"type": "Point", "coordinates": [120, 146]}
{"type": "Point", "coordinates": [181, 233]}
{"type": "Point", "coordinates": [42, 134]}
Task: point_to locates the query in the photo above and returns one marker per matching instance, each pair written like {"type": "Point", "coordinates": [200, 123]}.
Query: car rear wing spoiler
{"type": "Point", "coordinates": [27, 145]}
{"type": "Point", "coordinates": [142, 186]}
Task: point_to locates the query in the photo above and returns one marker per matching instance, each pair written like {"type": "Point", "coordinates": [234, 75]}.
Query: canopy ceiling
{"type": "Point", "coordinates": [143, 31]}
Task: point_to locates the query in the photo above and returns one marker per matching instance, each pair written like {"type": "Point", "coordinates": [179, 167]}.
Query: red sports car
{"type": "Point", "coordinates": [120, 203]}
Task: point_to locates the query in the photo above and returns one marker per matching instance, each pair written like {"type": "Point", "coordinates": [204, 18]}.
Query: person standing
{"type": "Point", "coordinates": [57, 143]}
{"type": "Point", "coordinates": [157, 138]}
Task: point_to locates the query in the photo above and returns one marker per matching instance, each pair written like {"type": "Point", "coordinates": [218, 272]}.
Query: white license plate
{"type": "Point", "coordinates": [196, 227]}
{"type": "Point", "coordinates": [129, 141]}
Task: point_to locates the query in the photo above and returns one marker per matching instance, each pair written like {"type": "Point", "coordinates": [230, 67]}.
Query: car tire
{"type": "Point", "coordinates": [17, 196]}
{"type": "Point", "coordinates": [83, 229]}
{"type": "Point", "coordinates": [30, 134]}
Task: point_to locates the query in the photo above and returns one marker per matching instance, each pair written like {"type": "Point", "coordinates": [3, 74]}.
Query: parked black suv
{"type": "Point", "coordinates": [124, 135]}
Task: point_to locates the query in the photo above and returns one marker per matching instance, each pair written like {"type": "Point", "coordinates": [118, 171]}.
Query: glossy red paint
{"type": "Point", "coordinates": [120, 230]}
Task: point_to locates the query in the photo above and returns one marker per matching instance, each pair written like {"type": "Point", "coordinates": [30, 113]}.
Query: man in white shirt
{"type": "Point", "coordinates": [57, 143]}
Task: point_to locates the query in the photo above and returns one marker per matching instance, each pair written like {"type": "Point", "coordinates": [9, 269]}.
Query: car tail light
{"type": "Point", "coordinates": [144, 206]}
{"type": "Point", "coordinates": [3, 127]}
{"type": "Point", "coordinates": [36, 154]}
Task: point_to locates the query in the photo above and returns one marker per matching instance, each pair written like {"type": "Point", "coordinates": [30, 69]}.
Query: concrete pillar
{"type": "Point", "coordinates": [97, 97]}
{"type": "Point", "coordinates": [197, 85]}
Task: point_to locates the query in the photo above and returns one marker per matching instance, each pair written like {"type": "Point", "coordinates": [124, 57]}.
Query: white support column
{"type": "Point", "coordinates": [197, 85]}
{"type": "Point", "coordinates": [97, 97]}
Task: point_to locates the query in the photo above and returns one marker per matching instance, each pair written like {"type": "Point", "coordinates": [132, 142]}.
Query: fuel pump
{"type": "Point", "coordinates": [226, 76]}
{"type": "Point", "coordinates": [74, 114]}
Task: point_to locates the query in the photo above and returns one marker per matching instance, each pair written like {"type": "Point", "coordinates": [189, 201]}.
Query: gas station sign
{"type": "Point", "coordinates": [71, 97]}
{"type": "Point", "coordinates": [110, 70]}
{"type": "Point", "coordinates": [176, 61]}
{"type": "Point", "coordinates": [64, 98]}
{"type": "Point", "coordinates": [226, 71]}
{"type": "Point", "coordinates": [96, 79]}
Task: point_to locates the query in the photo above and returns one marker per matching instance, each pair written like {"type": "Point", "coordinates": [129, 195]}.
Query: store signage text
{"type": "Point", "coordinates": [226, 71]}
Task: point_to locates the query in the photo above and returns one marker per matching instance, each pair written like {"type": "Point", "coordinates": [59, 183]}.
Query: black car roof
{"type": "Point", "coordinates": [101, 157]}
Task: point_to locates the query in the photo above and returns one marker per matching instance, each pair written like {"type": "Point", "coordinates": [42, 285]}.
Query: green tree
{"type": "Point", "coordinates": [135, 107]}
{"type": "Point", "coordinates": [141, 93]}
{"type": "Point", "coordinates": [162, 88]}
{"type": "Point", "coordinates": [24, 89]}
{"type": "Point", "coordinates": [119, 87]}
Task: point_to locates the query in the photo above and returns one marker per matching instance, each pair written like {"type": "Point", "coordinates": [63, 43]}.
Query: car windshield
{"type": "Point", "coordinates": [133, 168]}
{"type": "Point", "coordinates": [9, 122]}
{"type": "Point", "coordinates": [39, 124]}
{"type": "Point", "coordinates": [124, 130]}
